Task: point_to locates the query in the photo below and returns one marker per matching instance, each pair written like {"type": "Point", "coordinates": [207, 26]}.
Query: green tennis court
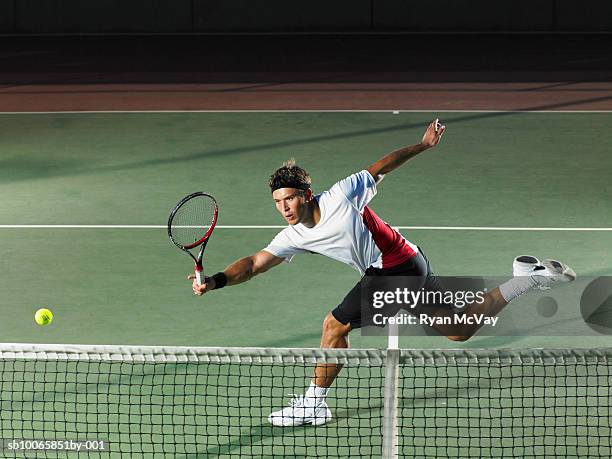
{"type": "Point", "coordinates": [123, 282]}
{"type": "Point", "coordinates": [126, 285]}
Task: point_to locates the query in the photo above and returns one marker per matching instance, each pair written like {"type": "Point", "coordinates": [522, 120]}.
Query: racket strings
{"type": "Point", "coordinates": [192, 220]}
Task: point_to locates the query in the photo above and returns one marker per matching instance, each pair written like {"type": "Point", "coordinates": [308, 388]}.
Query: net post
{"type": "Point", "coordinates": [390, 407]}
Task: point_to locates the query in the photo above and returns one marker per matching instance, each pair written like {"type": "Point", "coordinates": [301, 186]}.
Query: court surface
{"type": "Point", "coordinates": [115, 283]}
{"type": "Point", "coordinates": [87, 196]}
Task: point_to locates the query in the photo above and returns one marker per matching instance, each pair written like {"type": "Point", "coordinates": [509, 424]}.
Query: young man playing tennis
{"type": "Point", "coordinates": [339, 224]}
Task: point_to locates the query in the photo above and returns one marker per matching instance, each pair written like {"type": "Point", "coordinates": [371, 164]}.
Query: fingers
{"type": "Point", "coordinates": [439, 129]}
{"type": "Point", "coordinates": [435, 126]}
{"type": "Point", "coordinates": [438, 126]}
{"type": "Point", "coordinates": [434, 132]}
{"type": "Point", "coordinates": [198, 289]}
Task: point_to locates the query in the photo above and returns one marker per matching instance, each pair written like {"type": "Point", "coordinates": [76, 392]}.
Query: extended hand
{"type": "Point", "coordinates": [201, 289]}
{"type": "Point", "coordinates": [433, 134]}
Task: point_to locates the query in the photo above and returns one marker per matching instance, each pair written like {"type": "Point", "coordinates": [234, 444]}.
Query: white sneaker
{"type": "Point", "coordinates": [299, 413]}
{"type": "Point", "coordinates": [545, 273]}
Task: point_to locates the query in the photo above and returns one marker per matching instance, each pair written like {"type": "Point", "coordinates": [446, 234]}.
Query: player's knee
{"type": "Point", "coordinates": [461, 333]}
{"type": "Point", "coordinates": [332, 327]}
{"type": "Point", "coordinates": [459, 337]}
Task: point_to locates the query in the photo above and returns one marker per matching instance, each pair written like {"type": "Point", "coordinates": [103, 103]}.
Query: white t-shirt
{"type": "Point", "coordinates": [348, 230]}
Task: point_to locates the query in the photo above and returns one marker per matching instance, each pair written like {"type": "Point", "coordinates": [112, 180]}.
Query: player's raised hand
{"type": "Point", "coordinates": [200, 289]}
{"type": "Point", "coordinates": [433, 134]}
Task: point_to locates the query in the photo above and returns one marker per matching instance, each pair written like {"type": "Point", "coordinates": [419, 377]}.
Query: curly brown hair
{"type": "Point", "coordinates": [290, 176]}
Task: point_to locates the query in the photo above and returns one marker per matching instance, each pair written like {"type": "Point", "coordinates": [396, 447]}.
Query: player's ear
{"type": "Point", "coordinates": [308, 194]}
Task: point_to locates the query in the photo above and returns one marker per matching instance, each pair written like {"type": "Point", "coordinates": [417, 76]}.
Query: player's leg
{"type": "Point", "coordinates": [492, 304]}
{"type": "Point", "coordinates": [311, 407]}
{"type": "Point", "coordinates": [334, 336]}
{"type": "Point", "coordinates": [337, 325]}
{"type": "Point", "coordinates": [529, 274]}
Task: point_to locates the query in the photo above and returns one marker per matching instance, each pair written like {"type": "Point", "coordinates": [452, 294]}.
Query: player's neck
{"type": "Point", "coordinates": [313, 214]}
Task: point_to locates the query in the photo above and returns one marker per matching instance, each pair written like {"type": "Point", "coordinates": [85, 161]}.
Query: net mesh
{"type": "Point", "coordinates": [192, 219]}
{"type": "Point", "coordinates": [209, 402]}
{"type": "Point", "coordinates": [532, 403]}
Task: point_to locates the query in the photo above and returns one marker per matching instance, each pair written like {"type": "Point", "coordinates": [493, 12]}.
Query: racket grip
{"type": "Point", "coordinates": [198, 273]}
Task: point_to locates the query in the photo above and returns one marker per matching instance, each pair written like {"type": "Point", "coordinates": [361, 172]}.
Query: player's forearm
{"type": "Point", "coordinates": [398, 157]}
{"type": "Point", "coordinates": [244, 269]}
{"type": "Point", "coordinates": [240, 271]}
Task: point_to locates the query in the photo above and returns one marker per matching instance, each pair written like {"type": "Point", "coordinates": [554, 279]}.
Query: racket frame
{"type": "Point", "coordinates": [200, 242]}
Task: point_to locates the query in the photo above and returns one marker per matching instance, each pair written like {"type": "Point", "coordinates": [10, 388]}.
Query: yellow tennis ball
{"type": "Point", "coordinates": [43, 316]}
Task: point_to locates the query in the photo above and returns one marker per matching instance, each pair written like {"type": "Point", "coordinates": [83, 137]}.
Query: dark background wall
{"type": "Point", "coordinates": [236, 16]}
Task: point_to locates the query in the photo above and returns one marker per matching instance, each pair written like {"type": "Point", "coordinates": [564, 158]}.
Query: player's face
{"type": "Point", "coordinates": [291, 203]}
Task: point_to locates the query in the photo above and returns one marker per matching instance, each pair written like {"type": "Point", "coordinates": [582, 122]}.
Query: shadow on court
{"type": "Point", "coordinates": [14, 169]}
{"type": "Point", "coordinates": [254, 435]}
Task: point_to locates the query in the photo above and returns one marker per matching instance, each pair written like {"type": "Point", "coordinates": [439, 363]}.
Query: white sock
{"type": "Point", "coordinates": [316, 393]}
{"type": "Point", "coordinates": [516, 286]}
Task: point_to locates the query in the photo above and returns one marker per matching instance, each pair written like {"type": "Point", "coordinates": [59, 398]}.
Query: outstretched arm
{"type": "Point", "coordinates": [240, 271]}
{"type": "Point", "coordinates": [396, 158]}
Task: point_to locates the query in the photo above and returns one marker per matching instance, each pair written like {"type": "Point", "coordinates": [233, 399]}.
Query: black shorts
{"type": "Point", "coordinates": [349, 311]}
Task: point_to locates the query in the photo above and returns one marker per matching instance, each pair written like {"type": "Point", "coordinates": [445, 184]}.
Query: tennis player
{"type": "Point", "coordinates": [339, 224]}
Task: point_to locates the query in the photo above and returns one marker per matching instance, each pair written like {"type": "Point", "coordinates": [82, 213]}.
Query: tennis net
{"type": "Point", "coordinates": [214, 402]}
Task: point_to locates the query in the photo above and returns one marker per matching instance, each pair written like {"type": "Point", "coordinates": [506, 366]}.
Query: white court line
{"type": "Point", "coordinates": [93, 112]}
{"type": "Point", "coordinates": [442, 228]}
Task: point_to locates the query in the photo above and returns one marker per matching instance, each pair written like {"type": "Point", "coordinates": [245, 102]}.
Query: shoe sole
{"type": "Point", "coordinates": [319, 421]}
{"type": "Point", "coordinates": [560, 268]}
{"type": "Point", "coordinates": [312, 422]}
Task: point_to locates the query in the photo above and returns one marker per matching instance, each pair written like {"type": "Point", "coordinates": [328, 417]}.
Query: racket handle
{"type": "Point", "coordinates": [198, 273]}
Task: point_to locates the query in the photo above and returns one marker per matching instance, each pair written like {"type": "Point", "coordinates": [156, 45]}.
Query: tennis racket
{"type": "Point", "coordinates": [190, 225]}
